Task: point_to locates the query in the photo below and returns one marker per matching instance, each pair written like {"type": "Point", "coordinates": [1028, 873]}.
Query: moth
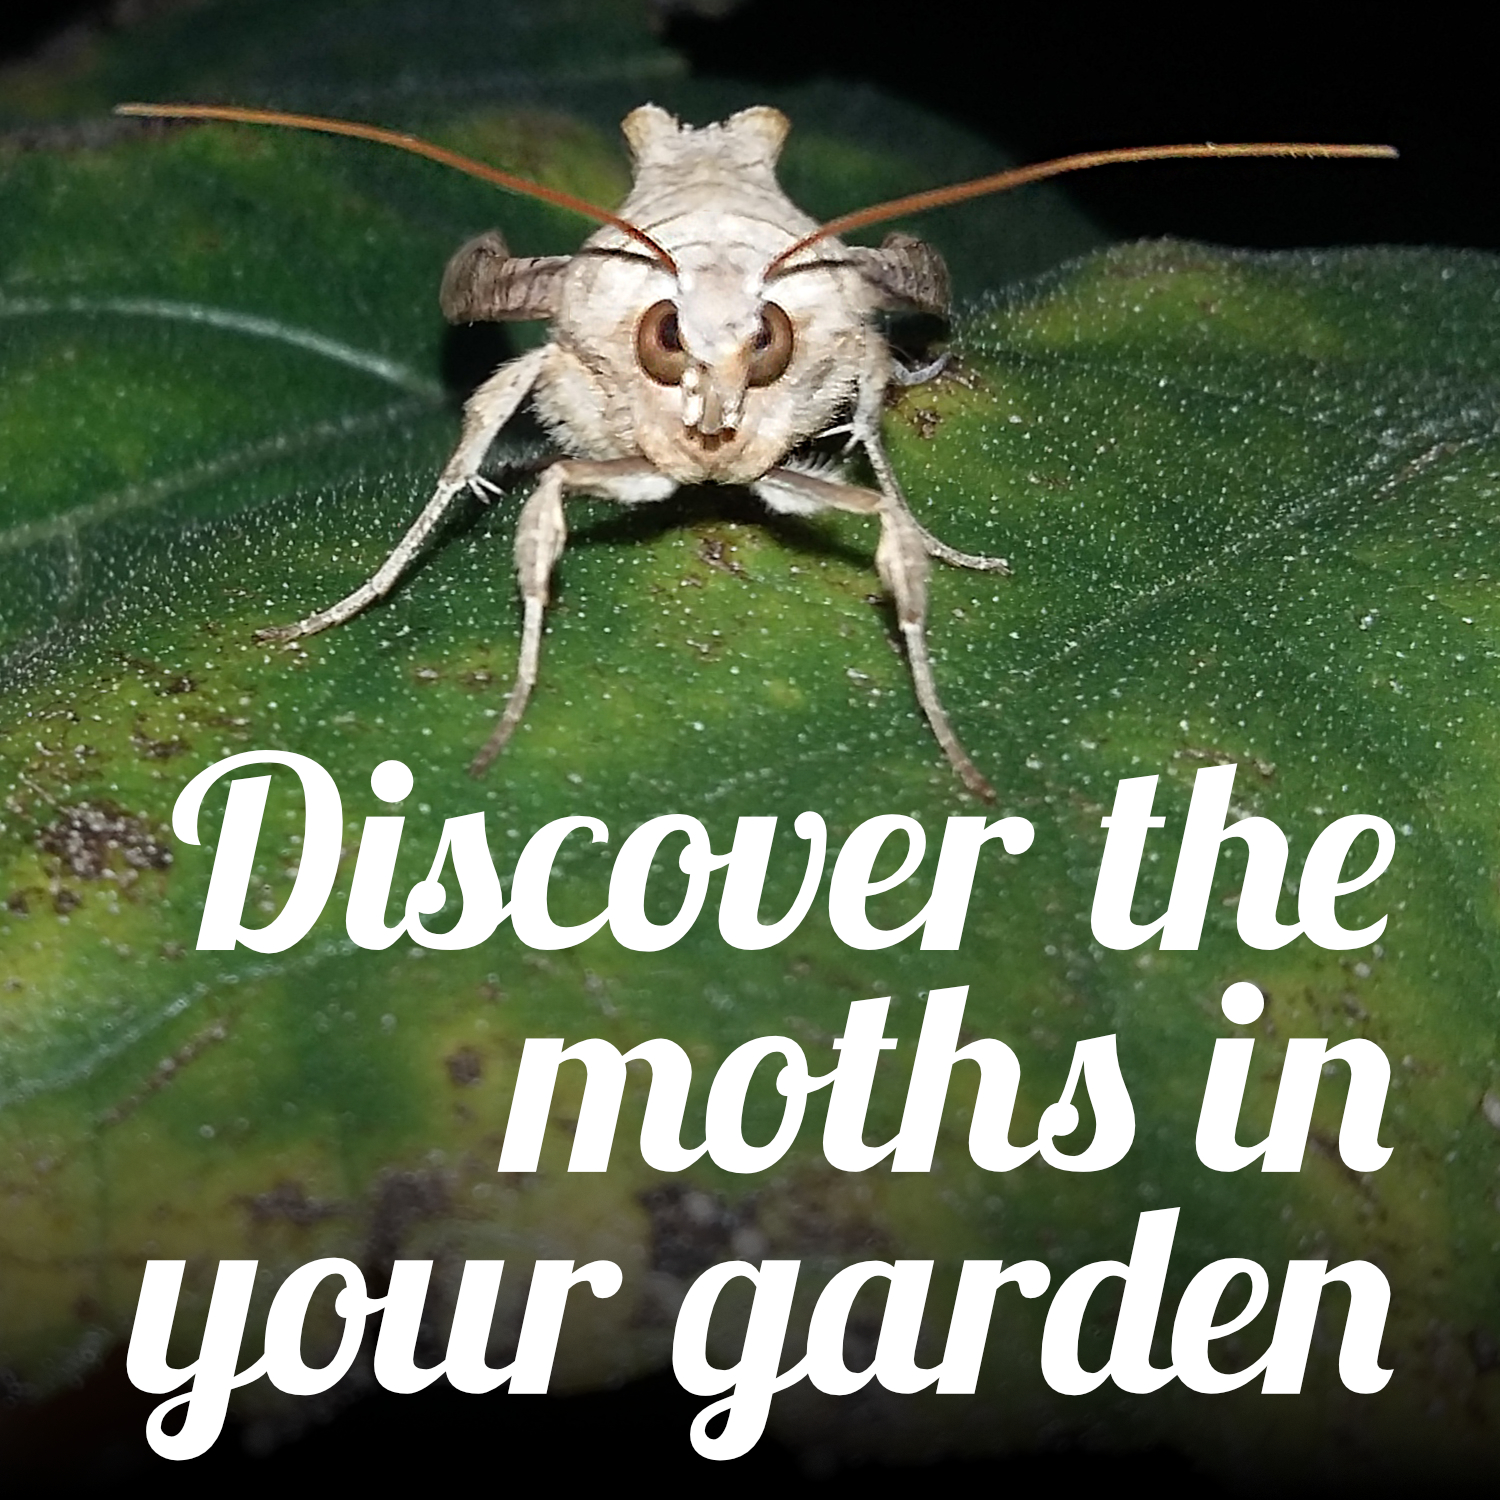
{"type": "Point", "coordinates": [710, 332]}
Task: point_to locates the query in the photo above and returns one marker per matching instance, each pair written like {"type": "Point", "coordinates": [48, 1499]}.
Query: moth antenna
{"type": "Point", "coordinates": [1000, 182]}
{"type": "Point", "coordinates": [403, 142]}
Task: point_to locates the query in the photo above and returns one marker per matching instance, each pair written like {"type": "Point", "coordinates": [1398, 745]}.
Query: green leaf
{"type": "Point", "coordinates": [1250, 504]}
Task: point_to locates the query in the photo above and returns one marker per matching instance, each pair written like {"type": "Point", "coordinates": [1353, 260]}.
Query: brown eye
{"type": "Point", "coordinates": [771, 348]}
{"type": "Point", "coordinates": [658, 344]}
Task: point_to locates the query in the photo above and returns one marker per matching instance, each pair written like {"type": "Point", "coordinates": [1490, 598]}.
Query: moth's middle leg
{"type": "Point", "coordinates": [865, 426]}
{"type": "Point", "coordinates": [890, 488]}
{"type": "Point", "coordinates": [902, 562]}
{"type": "Point", "coordinates": [541, 535]}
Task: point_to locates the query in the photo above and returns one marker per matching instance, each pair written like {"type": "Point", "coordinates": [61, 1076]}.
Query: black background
{"type": "Point", "coordinates": [1070, 78]}
{"type": "Point", "coordinates": [1076, 79]}
{"type": "Point", "coordinates": [1041, 85]}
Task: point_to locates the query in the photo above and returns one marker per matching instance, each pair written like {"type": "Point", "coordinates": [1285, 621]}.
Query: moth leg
{"type": "Point", "coordinates": [866, 425]}
{"type": "Point", "coordinates": [921, 374]}
{"type": "Point", "coordinates": [901, 559]}
{"type": "Point", "coordinates": [541, 535]}
{"type": "Point", "coordinates": [485, 413]}
{"type": "Point", "coordinates": [890, 487]}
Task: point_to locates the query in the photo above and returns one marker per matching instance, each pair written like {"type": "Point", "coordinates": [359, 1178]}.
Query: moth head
{"type": "Point", "coordinates": [715, 340]}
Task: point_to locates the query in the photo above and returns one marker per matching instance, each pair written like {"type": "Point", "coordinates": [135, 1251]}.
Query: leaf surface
{"type": "Point", "coordinates": [1250, 503]}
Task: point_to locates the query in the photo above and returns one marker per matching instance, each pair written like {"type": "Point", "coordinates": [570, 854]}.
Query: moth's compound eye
{"type": "Point", "coordinates": [771, 348]}
{"type": "Point", "coordinates": [658, 344]}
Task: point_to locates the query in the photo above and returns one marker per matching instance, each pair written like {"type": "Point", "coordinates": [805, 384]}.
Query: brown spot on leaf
{"type": "Point", "coordinates": [402, 1199]}
{"type": "Point", "coordinates": [718, 553]}
{"type": "Point", "coordinates": [150, 749]}
{"type": "Point", "coordinates": [92, 839]}
{"type": "Point", "coordinates": [465, 1067]}
{"type": "Point", "coordinates": [288, 1203]}
{"type": "Point", "coordinates": [1053, 481]}
{"type": "Point", "coordinates": [164, 682]}
{"type": "Point", "coordinates": [692, 1229]}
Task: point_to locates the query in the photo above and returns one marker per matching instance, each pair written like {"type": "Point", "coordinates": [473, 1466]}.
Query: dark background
{"type": "Point", "coordinates": [1042, 86]}
{"type": "Point", "coordinates": [1072, 78]}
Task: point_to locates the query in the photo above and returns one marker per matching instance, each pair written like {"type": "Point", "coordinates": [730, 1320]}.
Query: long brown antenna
{"type": "Point", "coordinates": [403, 142]}
{"type": "Point", "coordinates": [1001, 181]}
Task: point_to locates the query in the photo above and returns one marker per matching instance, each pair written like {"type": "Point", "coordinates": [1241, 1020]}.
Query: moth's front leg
{"type": "Point", "coordinates": [901, 560]}
{"type": "Point", "coordinates": [485, 413]}
{"type": "Point", "coordinates": [541, 535]}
